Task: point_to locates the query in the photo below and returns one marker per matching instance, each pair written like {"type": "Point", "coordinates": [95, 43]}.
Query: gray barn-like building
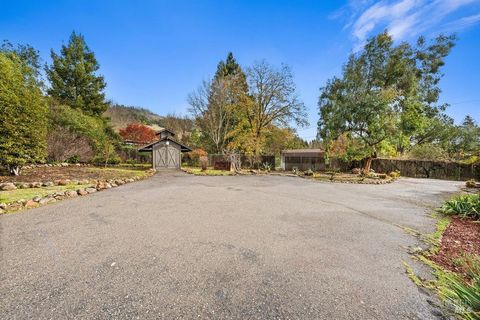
{"type": "Point", "coordinates": [302, 159]}
{"type": "Point", "coordinates": [166, 152]}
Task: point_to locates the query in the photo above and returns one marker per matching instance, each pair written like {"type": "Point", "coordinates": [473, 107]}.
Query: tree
{"type": "Point", "coordinates": [28, 56]}
{"type": "Point", "coordinates": [138, 132]}
{"type": "Point", "coordinates": [24, 115]}
{"type": "Point", "coordinates": [214, 105]}
{"type": "Point", "coordinates": [272, 100]}
{"type": "Point", "coordinates": [385, 97]}
{"type": "Point", "coordinates": [181, 125]}
{"type": "Point", "coordinates": [73, 77]}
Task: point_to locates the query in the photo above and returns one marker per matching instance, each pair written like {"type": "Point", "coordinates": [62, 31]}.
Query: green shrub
{"type": "Point", "coordinates": [74, 159]}
{"type": "Point", "coordinates": [464, 296]}
{"type": "Point", "coordinates": [465, 205]}
{"type": "Point", "coordinates": [428, 151]}
{"type": "Point", "coordinates": [395, 174]}
{"type": "Point", "coordinates": [100, 161]}
{"type": "Point", "coordinates": [266, 166]}
{"type": "Point", "coordinates": [470, 183]}
{"type": "Point", "coordinates": [308, 173]}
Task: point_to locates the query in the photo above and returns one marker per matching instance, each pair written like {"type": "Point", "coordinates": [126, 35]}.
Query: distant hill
{"type": "Point", "coordinates": [120, 116]}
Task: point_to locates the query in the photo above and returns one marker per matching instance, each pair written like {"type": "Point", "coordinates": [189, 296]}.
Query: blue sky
{"type": "Point", "coordinates": [154, 53]}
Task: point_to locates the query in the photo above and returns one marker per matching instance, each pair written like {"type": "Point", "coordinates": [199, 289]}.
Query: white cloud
{"type": "Point", "coordinates": [403, 18]}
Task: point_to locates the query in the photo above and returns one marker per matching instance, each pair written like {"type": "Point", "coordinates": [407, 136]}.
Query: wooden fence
{"type": "Point", "coordinates": [248, 162]}
{"type": "Point", "coordinates": [448, 170]}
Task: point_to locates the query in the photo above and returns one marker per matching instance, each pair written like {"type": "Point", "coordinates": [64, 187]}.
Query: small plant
{"type": "Point", "coordinates": [465, 205]}
{"type": "Point", "coordinates": [463, 297]}
{"type": "Point", "coordinates": [308, 173]}
{"type": "Point", "coordinates": [130, 162]}
{"type": "Point", "coordinates": [394, 174]}
{"type": "Point", "coordinates": [266, 166]}
{"type": "Point", "coordinates": [382, 176]}
{"type": "Point", "coordinates": [470, 183]}
{"type": "Point", "coordinates": [203, 162]}
{"type": "Point", "coordinates": [73, 159]}
{"type": "Point", "coordinates": [356, 171]}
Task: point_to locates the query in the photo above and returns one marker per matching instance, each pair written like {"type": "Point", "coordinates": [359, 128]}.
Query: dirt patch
{"type": "Point", "coordinates": [461, 236]}
{"type": "Point", "coordinates": [43, 174]}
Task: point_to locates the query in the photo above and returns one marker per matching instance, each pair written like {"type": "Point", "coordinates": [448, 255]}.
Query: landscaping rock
{"type": "Point", "coordinates": [24, 186]}
{"type": "Point", "coordinates": [3, 206]}
{"type": "Point", "coordinates": [63, 182]}
{"type": "Point", "coordinates": [37, 198]}
{"type": "Point", "coordinates": [130, 180]}
{"type": "Point", "coordinates": [46, 200]}
{"type": "Point", "coordinates": [48, 184]}
{"type": "Point", "coordinates": [82, 192]}
{"type": "Point", "coordinates": [91, 190]}
{"type": "Point", "coordinates": [8, 186]}
{"type": "Point", "coordinates": [31, 204]}
{"type": "Point", "coordinates": [2, 211]}
{"type": "Point", "coordinates": [71, 193]}
{"type": "Point", "coordinates": [119, 182]}
{"type": "Point", "coordinates": [356, 170]}
{"type": "Point", "coordinates": [15, 206]}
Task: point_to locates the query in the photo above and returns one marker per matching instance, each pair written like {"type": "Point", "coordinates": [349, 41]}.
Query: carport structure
{"type": "Point", "coordinates": [166, 152]}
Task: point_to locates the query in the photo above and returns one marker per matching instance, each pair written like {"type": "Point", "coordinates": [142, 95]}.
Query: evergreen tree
{"type": "Point", "coordinates": [73, 77]}
{"type": "Point", "coordinates": [24, 110]}
{"type": "Point", "coordinates": [230, 68]}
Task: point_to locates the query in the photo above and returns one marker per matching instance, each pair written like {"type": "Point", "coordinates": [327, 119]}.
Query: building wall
{"type": "Point", "coordinates": [302, 162]}
{"type": "Point", "coordinates": [166, 156]}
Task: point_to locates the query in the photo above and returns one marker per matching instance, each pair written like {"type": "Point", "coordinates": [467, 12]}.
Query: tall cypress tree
{"type": "Point", "coordinates": [23, 124]}
{"type": "Point", "coordinates": [73, 77]}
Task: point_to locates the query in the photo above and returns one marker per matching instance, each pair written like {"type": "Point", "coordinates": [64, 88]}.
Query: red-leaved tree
{"type": "Point", "coordinates": [138, 132]}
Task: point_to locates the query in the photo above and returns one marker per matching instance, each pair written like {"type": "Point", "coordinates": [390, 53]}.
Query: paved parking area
{"type": "Point", "coordinates": [250, 247]}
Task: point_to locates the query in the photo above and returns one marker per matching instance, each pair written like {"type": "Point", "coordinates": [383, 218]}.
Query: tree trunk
{"type": "Point", "coordinates": [368, 164]}
{"type": "Point", "coordinates": [14, 170]}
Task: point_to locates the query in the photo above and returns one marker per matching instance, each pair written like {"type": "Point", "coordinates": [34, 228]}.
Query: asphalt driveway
{"type": "Point", "coordinates": [251, 247]}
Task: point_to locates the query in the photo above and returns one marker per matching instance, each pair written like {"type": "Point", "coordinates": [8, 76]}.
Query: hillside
{"type": "Point", "coordinates": [121, 115]}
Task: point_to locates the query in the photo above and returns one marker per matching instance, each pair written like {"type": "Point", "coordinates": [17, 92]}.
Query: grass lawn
{"type": "Point", "coordinates": [44, 174]}
{"type": "Point", "coordinates": [25, 194]}
{"type": "Point", "coordinates": [208, 172]}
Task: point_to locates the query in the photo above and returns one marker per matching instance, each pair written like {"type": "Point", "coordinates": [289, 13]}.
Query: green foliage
{"type": "Point", "coordinates": [24, 114]}
{"type": "Point", "coordinates": [97, 130]}
{"type": "Point", "coordinates": [471, 183]}
{"type": "Point", "coordinates": [266, 166]}
{"type": "Point", "coordinates": [28, 56]}
{"type": "Point", "coordinates": [428, 151]}
{"type": "Point", "coordinates": [387, 96]}
{"type": "Point", "coordinates": [463, 296]}
{"type": "Point", "coordinates": [73, 77]}
{"type": "Point", "coordinates": [73, 159]}
{"type": "Point", "coordinates": [464, 205]}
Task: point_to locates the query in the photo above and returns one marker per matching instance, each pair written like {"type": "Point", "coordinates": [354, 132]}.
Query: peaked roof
{"type": "Point", "coordinates": [149, 147]}
{"type": "Point", "coordinates": [302, 151]}
{"type": "Point", "coordinates": [165, 130]}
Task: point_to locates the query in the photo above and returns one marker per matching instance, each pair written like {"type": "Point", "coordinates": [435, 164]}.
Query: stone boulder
{"type": "Point", "coordinates": [31, 204]}
{"type": "Point", "coordinates": [7, 186]}
{"type": "Point", "coordinates": [91, 190]}
{"type": "Point", "coordinates": [82, 192]}
{"type": "Point", "coordinates": [71, 193]}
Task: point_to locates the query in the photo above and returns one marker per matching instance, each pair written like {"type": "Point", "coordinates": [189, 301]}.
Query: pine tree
{"type": "Point", "coordinates": [73, 77]}
{"type": "Point", "coordinates": [230, 68]}
{"type": "Point", "coordinates": [24, 110]}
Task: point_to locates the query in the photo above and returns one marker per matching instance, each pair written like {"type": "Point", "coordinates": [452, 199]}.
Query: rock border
{"type": "Point", "coordinates": [37, 201]}
{"type": "Point", "coordinates": [251, 172]}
